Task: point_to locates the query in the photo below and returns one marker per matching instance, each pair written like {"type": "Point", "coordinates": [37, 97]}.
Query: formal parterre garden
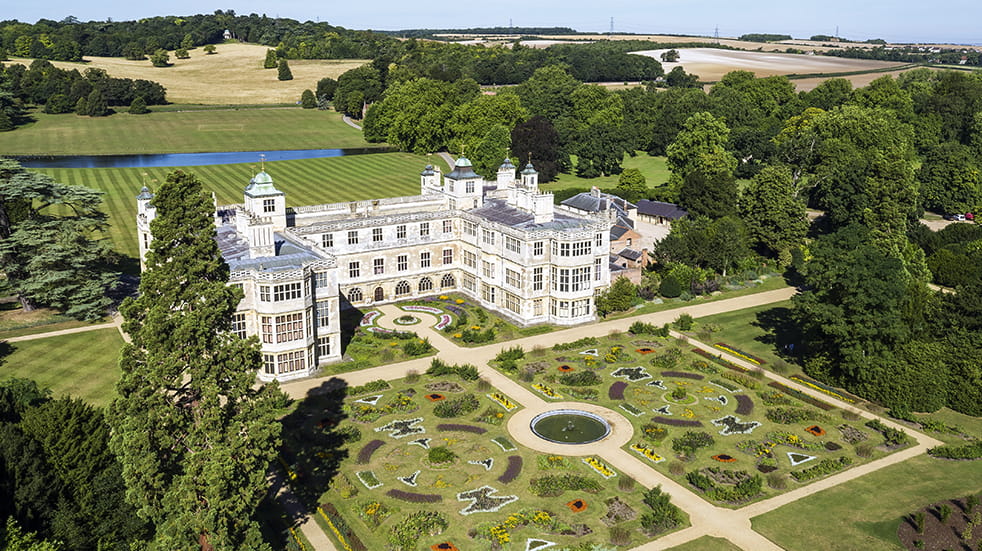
{"type": "Point", "coordinates": [467, 323]}
{"type": "Point", "coordinates": [430, 465]}
{"type": "Point", "coordinates": [728, 435]}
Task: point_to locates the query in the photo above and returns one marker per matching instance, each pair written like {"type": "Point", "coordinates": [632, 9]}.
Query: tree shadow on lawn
{"type": "Point", "coordinates": [312, 445]}
{"type": "Point", "coordinates": [780, 331]}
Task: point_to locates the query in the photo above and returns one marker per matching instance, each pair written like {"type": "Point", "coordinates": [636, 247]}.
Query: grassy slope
{"type": "Point", "coordinates": [82, 364]}
{"type": "Point", "coordinates": [865, 513]}
{"type": "Point", "coordinates": [182, 132]}
{"type": "Point", "coordinates": [234, 74]}
{"type": "Point", "coordinates": [305, 182]}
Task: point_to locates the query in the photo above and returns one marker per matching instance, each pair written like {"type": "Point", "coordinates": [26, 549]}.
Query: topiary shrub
{"type": "Point", "coordinates": [670, 287]}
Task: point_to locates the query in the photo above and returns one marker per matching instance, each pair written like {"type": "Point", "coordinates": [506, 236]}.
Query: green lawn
{"type": "Point", "coordinates": [747, 329]}
{"type": "Point", "coordinates": [182, 132]}
{"type": "Point", "coordinates": [865, 513]}
{"type": "Point", "coordinates": [654, 169]}
{"type": "Point", "coordinates": [306, 182]}
{"type": "Point", "coordinates": [707, 543]}
{"type": "Point", "coordinates": [83, 365]}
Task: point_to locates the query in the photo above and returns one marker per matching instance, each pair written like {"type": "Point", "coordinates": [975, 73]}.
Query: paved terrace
{"type": "Point", "coordinates": [705, 518]}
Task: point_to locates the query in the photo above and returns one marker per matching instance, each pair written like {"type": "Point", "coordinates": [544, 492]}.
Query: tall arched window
{"type": "Point", "coordinates": [402, 288]}
{"type": "Point", "coordinates": [355, 295]}
{"type": "Point", "coordinates": [379, 294]}
{"type": "Point", "coordinates": [447, 282]}
{"type": "Point", "coordinates": [425, 284]}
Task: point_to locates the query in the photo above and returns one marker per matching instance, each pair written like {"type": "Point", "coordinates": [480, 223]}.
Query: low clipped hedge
{"type": "Point", "coordinates": [965, 451]}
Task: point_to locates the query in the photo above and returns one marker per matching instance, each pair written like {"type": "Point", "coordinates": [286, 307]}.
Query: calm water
{"type": "Point", "coordinates": [187, 159]}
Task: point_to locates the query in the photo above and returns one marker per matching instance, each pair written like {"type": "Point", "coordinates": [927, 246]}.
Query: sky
{"type": "Point", "coordinates": [954, 21]}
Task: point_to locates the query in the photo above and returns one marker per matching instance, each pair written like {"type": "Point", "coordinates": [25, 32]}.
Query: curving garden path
{"type": "Point", "coordinates": [704, 517]}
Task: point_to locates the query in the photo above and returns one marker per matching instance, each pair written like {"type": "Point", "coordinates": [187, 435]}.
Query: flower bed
{"type": "Point", "coordinates": [413, 497]}
{"type": "Point", "coordinates": [483, 500]}
{"type": "Point", "coordinates": [616, 390]}
{"type": "Point", "coordinates": [815, 430]}
{"type": "Point", "coordinates": [330, 516]}
{"type": "Point", "coordinates": [564, 368]}
{"type": "Point", "coordinates": [824, 467]}
{"type": "Point", "coordinates": [801, 396]}
{"type": "Point", "coordinates": [682, 375]}
{"type": "Point", "coordinates": [631, 409]}
{"type": "Point", "coordinates": [513, 470]}
{"type": "Point", "coordinates": [445, 546]}
{"type": "Point", "coordinates": [369, 479]}
{"type": "Point", "coordinates": [739, 353]}
{"type": "Point", "coordinates": [406, 320]}
{"type": "Point", "coordinates": [719, 360]}
{"type": "Point", "coordinates": [632, 373]}
{"type": "Point", "coordinates": [502, 401]}
{"type": "Point", "coordinates": [724, 458]}
{"type": "Point", "coordinates": [444, 322]}
{"type": "Point", "coordinates": [647, 452]}
{"type": "Point", "coordinates": [733, 425]}
{"type": "Point", "coordinates": [402, 428]}
{"type": "Point", "coordinates": [365, 454]}
{"type": "Point", "coordinates": [676, 422]}
{"type": "Point", "coordinates": [460, 428]}
{"type": "Point", "coordinates": [577, 505]}
{"type": "Point", "coordinates": [822, 388]}
{"type": "Point", "coordinates": [420, 308]}
{"type": "Point", "coordinates": [546, 391]}
{"type": "Point", "coordinates": [745, 405]}
{"type": "Point", "coordinates": [486, 463]}
{"type": "Point", "coordinates": [409, 480]}
{"type": "Point", "coordinates": [600, 467]}
{"type": "Point", "coordinates": [504, 443]}
{"type": "Point", "coordinates": [422, 442]}
{"type": "Point", "coordinates": [644, 350]}
{"type": "Point", "coordinates": [369, 318]}
{"type": "Point", "coordinates": [435, 397]}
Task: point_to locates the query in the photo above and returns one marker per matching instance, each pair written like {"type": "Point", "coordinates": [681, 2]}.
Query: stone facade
{"type": "Point", "coordinates": [502, 243]}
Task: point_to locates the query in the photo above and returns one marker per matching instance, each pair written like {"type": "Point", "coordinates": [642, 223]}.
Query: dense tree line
{"type": "Point", "coordinates": [92, 92]}
{"type": "Point", "coordinates": [70, 39]}
{"type": "Point", "coordinates": [910, 54]}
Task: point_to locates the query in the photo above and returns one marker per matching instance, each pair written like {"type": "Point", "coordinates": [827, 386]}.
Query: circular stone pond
{"type": "Point", "coordinates": [570, 426]}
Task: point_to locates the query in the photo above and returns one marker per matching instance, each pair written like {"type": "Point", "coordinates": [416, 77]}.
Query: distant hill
{"type": "Point", "coordinates": [512, 31]}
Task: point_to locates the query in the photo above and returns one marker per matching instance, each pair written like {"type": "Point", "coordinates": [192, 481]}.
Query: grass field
{"type": "Point", "coordinates": [182, 132]}
{"type": "Point", "coordinates": [864, 513]}
{"type": "Point", "coordinates": [234, 74]}
{"type": "Point", "coordinates": [743, 329]}
{"type": "Point", "coordinates": [654, 169]}
{"type": "Point", "coordinates": [306, 182]}
{"type": "Point", "coordinates": [82, 364]}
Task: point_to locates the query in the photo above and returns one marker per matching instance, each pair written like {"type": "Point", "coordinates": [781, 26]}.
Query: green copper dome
{"type": "Point", "coordinates": [262, 184]}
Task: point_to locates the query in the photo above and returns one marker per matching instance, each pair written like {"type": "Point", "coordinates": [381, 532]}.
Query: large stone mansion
{"type": "Point", "coordinates": [502, 243]}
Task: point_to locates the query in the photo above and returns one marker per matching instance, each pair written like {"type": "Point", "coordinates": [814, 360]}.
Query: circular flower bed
{"type": "Point", "coordinates": [406, 320]}
{"type": "Point", "coordinates": [565, 368]}
{"type": "Point", "coordinates": [445, 546]}
{"type": "Point", "coordinates": [577, 505]}
{"type": "Point", "coordinates": [724, 458]}
{"type": "Point", "coordinates": [644, 350]}
{"type": "Point", "coordinates": [435, 397]}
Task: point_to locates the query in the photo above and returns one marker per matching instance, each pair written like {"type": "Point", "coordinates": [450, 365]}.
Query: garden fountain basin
{"type": "Point", "coordinates": [570, 426]}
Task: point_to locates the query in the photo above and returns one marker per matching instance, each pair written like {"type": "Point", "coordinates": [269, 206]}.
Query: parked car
{"type": "Point", "coordinates": [960, 217]}
{"type": "Point", "coordinates": [969, 216]}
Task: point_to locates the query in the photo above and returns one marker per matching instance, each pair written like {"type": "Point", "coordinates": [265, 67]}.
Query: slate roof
{"type": "Point", "coordinates": [497, 210]}
{"type": "Point", "coordinates": [630, 254]}
{"type": "Point", "coordinates": [588, 202]}
{"type": "Point", "coordinates": [235, 251]}
{"type": "Point", "coordinates": [658, 208]}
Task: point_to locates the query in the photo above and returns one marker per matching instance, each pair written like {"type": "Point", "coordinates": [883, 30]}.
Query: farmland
{"type": "Point", "coordinates": [233, 75]}
{"type": "Point", "coordinates": [711, 64]}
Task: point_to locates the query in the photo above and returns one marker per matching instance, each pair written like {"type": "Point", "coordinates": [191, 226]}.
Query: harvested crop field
{"type": "Point", "coordinates": [233, 75]}
{"type": "Point", "coordinates": [711, 64]}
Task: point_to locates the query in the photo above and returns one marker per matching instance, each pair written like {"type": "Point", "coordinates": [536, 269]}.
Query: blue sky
{"type": "Point", "coordinates": [894, 20]}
